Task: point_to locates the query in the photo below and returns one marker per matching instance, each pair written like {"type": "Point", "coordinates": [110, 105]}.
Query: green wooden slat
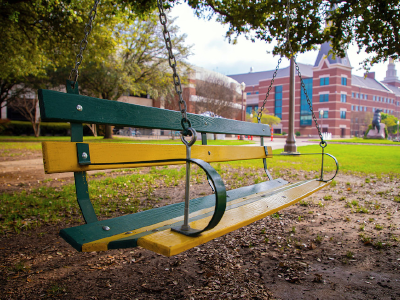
{"type": "Point", "coordinates": [77, 236]}
{"type": "Point", "coordinates": [57, 106]}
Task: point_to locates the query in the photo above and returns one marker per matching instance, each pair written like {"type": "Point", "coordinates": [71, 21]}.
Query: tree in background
{"type": "Point", "coordinates": [139, 66]}
{"type": "Point", "coordinates": [390, 121]}
{"type": "Point", "coordinates": [216, 95]}
{"type": "Point", "coordinates": [41, 35]}
{"type": "Point", "coordinates": [265, 119]}
{"type": "Point", "coordinates": [27, 106]}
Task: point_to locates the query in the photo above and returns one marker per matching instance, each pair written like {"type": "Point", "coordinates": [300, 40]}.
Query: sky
{"type": "Point", "coordinates": [211, 50]}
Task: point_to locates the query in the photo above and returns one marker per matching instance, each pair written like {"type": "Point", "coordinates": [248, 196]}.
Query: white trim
{"type": "Point", "coordinates": [324, 92]}
{"type": "Point", "coordinates": [343, 109]}
{"type": "Point", "coordinates": [342, 126]}
{"type": "Point", "coordinates": [343, 92]}
{"type": "Point", "coordinates": [324, 76]}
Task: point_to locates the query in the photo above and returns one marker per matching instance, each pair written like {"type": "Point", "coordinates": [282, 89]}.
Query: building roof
{"type": "Point", "coordinates": [323, 52]}
{"type": "Point", "coordinates": [253, 78]}
{"type": "Point", "coordinates": [368, 83]}
{"type": "Point", "coordinates": [394, 89]}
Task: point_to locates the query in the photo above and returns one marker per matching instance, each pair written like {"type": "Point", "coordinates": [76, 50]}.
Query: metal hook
{"type": "Point", "coordinates": [193, 140]}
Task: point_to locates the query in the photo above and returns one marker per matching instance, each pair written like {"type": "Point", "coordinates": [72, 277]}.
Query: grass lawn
{"type": "Point", "coordinates": [364, 141]}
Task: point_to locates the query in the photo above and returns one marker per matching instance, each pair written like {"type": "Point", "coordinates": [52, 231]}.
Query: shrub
{"type": "Point", "coordinates": [297, 133]}
{"type": "Point", "coordinates": [16, 128]}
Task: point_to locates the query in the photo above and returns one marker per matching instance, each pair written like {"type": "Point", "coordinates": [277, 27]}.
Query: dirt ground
{"type": "Point", "coordinates": [340, 243]}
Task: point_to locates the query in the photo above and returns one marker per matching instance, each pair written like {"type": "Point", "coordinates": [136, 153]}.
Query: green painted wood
{"type": "Point", "coordinates": [57, 106]}
{"type": "Point", "coordinates": [81, 184]}
{"type": "Point", "coordinates": [79, 235]}
{"type": "Point", "coordinates": [204, 138]}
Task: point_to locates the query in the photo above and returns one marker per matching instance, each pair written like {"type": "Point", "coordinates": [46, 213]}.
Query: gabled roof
{"type": "Point", "coordinates": [368, 83]}
{"type": "Point", "coordinates": [394, 89]}
{"type": "Point", "coordinates": [256, 77]}
{"type": "Point", "coordinates": [323, 52]}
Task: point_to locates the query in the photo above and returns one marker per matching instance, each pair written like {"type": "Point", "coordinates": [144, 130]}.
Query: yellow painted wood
{"type": "Point", "coordinates": [170, 243]}
{"type": "Point", "coordinates": [61, 157]}
{"type": "Point", "coordinates": [102, 244]}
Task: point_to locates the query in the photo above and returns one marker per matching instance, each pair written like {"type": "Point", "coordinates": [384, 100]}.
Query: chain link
{"type": "Point", "coordinates": [172, 64]}
{"type": "Point", "coordinates": [88, 28]}
{"type": "Point", "coordinates": [260, 111]}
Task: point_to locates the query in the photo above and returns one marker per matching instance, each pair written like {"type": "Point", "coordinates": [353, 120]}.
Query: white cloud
{"type": "Point", "coordinates": [212, 51]}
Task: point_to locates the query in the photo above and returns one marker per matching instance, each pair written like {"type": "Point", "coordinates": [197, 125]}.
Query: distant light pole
{"type": "Point", "coordinates": [243, 87]}
{"type": "Point", "coordinates": [321, 116]}
{"type": "Point", "coordinates": [398, 130]}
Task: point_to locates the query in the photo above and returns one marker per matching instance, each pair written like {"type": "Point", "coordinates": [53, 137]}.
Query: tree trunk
{"type": "Point", "coordinates": [108, 132]}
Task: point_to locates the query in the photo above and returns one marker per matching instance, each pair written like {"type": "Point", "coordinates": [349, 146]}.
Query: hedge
{"type": "Point", "coordinates": [15, 128]}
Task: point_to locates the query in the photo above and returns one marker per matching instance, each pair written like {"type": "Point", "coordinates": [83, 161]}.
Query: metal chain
{"type": "Point", "coordinates": [309, 102]}
{"type": "Point", "coordinates": [172, 64]}
{"type": "Point", "coordinates": [88, 28]}
{"type": "Point", "coordinates": [260, 111]}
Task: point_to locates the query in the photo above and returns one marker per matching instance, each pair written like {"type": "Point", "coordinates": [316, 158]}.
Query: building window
{"type": "Point", "coordinates": [343, 114]}
{"type": "Point", "coordinates": [362, 96]}
{"type": "Point", "coordinates": [305, 113]}
{"type": "Point", "coordinates": [248, 93]}
{"type": "Point", "coordinates": [278, 101]}
{"type": "Point", "coordinates": [373, 109]}
{"type": "Point", "coordinates": [352, 95]}
{"type": "Point", "coordinates": [326, 114]}
{"type": "Point", "coordinates": [323, 97]}
{"type": "Point", "coordinates": [352, 107]}
{"type": "Point", "coordinates": [324, 81]}
{"type": "Point", "coordinates": [357, 95]}
{"type": "Point", "coordinates": [366, 97]}
{"type": "Point", "coordinates": [379, 99]}
{"type": "Point", "coordinates": [343, 98]}
{"type": "Point", "coordinates": [356, 107]}
{"type": "Point", "coordinates": [257, 93]}
{"type": "Point", "coordinates": [252, 109]}
{"type": "Point", "coordinates": [365, 108]}
{"type": "Point", "coordinates": [373, 98]}
{"type": "Point", "coordinates": [344, 81]}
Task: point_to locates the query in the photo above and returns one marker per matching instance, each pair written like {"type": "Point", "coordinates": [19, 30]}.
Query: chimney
{"type": "Point", "coordinates": [370, 75]}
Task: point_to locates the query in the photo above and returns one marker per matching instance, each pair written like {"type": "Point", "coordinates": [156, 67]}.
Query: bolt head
{"type": "Point", "coordinates": [79, 107]}
{"type": "Point", "coordinates": [106, 228]}
{"type": "Point", "coordinates": [84, 155]}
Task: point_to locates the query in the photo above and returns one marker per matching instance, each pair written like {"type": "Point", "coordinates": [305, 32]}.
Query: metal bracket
{"type": "Point", "coordinates": [83, 153]}
{"type": "Point", "coordinates": [266, 150]}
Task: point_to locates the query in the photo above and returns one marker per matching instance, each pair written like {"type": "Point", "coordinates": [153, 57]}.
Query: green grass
{"type": "Point", "coordinates": [363, 141]}
{"type": "Point", "coordinates": [20, 146]}
{"type": "Point", "coordinates": [353, 159]}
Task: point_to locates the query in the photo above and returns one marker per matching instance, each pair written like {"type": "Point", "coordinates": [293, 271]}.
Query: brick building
{"type": "Point", "coordinates": [343, 103]}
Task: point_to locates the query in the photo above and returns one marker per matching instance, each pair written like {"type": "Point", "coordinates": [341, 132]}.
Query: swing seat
{"type": "Point", "coordinates": [151, 229]}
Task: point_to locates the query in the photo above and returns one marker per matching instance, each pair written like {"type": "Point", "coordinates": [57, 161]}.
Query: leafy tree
{"type": "Point", "coordinates": [41, 35]}
{"type": "Point", "coordinates": [265, 119]}
{"type": "Point", "coordinates": [139, 66]}
{"type": "Point", "coordinates": [377, 31]}
{"type": "Point", "coordinates": [390, 121]}
{"type": "Point", "coordinates": [216, 95]}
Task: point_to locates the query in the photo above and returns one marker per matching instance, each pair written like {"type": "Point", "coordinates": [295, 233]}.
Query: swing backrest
{"type": "Point", "coordinates": [69, 156]}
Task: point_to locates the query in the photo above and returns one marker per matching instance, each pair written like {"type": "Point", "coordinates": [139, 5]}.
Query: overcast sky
{"type": "Point", "coordinates": [212, 51]}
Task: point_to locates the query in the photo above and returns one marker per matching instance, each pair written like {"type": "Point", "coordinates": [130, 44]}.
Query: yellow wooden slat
{"type": "Point", "coordinates": [61, 157]}
{"type": "Point", "coordinates": [170, 243]}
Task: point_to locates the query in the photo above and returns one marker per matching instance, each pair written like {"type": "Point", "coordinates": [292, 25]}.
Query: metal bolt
{"type": "Point", "coordinates": [106, 228]}
{"type": "Point", "coordinates": [79, 107]}
{"type": "Point", "coordinates": [263, 129]}
{"type": "Point", "coordinates": [84, 155]}
{"type": "Point", "coordinates": [129, 232]}
{"type": "Point", "coordinates": [205, 123]}
{"type": "Point", "coordinates": [209, 153]}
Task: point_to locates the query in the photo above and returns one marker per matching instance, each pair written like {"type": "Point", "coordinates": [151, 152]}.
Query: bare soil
{"type": "Point", "coordinates": [321, 248]}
